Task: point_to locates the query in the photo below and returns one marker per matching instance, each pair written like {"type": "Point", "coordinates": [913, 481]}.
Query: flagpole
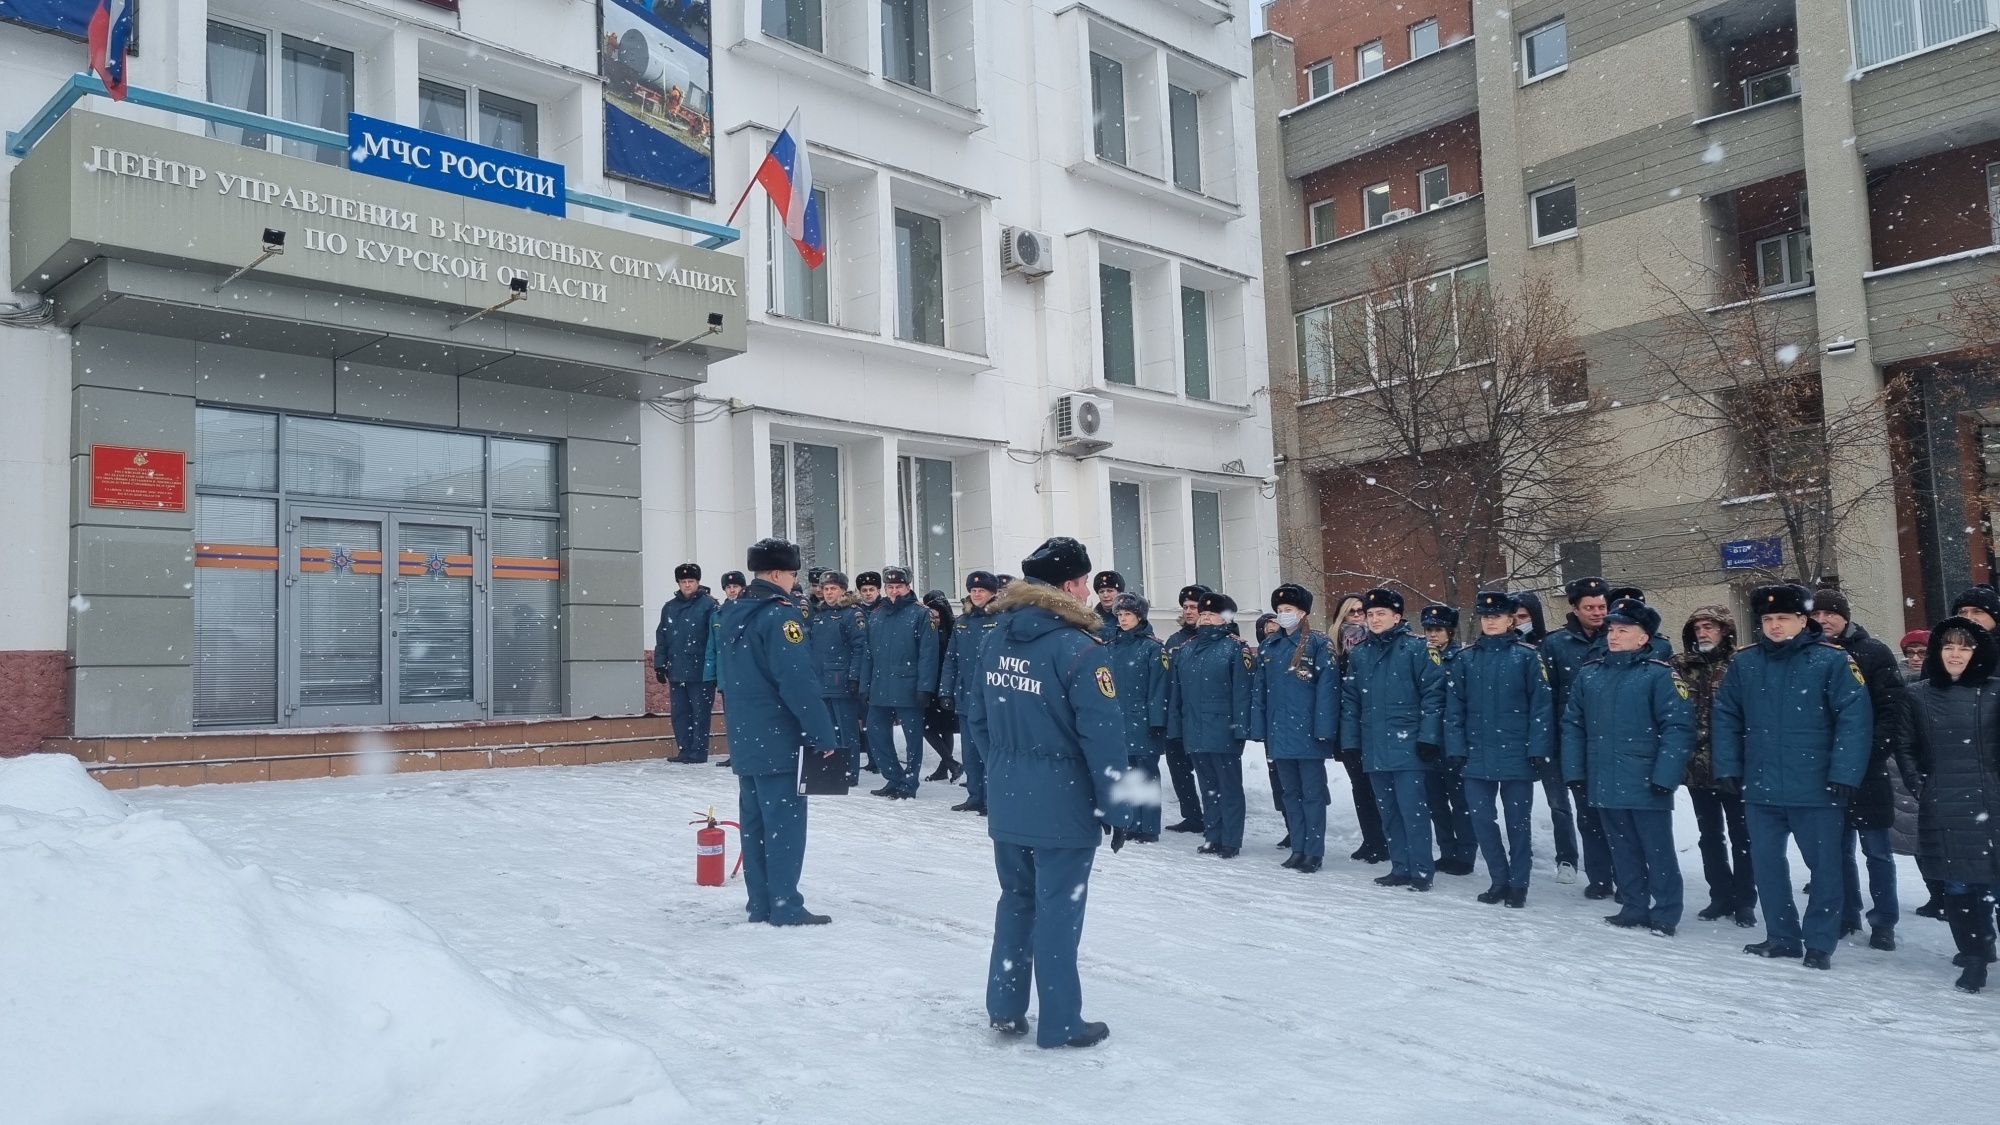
{"type": "Point", "coordinates": [731, 220]}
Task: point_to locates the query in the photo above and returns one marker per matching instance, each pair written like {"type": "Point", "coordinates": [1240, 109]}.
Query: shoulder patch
{"type": "Point", "coordinates": [1104, 683]}
{"type": "Point", "coordinates": [793, 633]}
{"type": "Point", "coordinates": [1680, 685]}
{"type": "Point", "coordinates": [1166, 657]}
{"type": "Point", "coordinates": [1856, 670]}
{"type": "Point", "coordinates": [1435, 658]}
{"type": "Point", "coordinates": [1249, 661]}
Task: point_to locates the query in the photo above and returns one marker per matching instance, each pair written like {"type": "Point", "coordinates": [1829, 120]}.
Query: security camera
{"type": "Point", "coordinates": [715, 322]}
{"type": "Point", "coordinates": [274, 240]}
{"type": "Point", "coordinates": [518, 285]}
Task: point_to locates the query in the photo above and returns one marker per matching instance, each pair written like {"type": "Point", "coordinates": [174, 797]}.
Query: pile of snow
{"type": "Point", "coordinates": [147, 979]}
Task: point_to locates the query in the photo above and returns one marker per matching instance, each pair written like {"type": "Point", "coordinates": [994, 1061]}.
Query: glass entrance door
{"type": "Point", "coordinates": [385, 617]}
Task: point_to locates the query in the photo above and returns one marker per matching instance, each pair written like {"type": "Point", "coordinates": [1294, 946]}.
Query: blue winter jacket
{"type": "Point", "coordinates": [1107, 627]}
{"type": "Point", "coordinates": [839, 639]}
{"type": "Point", "coordinates": [1392, 699]}
{"type": "Point", "coordinates": [1791, 718]}
{"type": "Point", "coordinates": [1627, 727]}
{"type": "Point", "coordinates": [767, 675]}
{"type": "Point", "coordinates": [969, 631]}
{"type": "Point", "coordinates": [901, 658]}
{"type": "Point", "coordinates": [1566, 650]}
{"type": "Point", "coordinates": [1046, 711]}
{"type": "Point", "coordinates": [682, 637]}
{"type": "Point", "coordinates": [1208, 692]}
{"type": "Point", "coordinates": [1498, 709]}
{"type": "Point", "coordinates": [1295, 695]}
{"type": "Point", "coordinates": [1139, 669]}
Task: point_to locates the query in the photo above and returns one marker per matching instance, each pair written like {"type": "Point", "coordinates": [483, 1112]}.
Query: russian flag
{"type": "Point", "coordinates": [787, 178]}
{"type": "Point", "coordinates": [110, 34]}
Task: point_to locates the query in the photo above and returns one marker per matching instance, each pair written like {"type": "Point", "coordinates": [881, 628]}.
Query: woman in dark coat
{"type": "Point", "coordinates": [1947, 754]}
{"type": "Point", "coordinates": [1346, 627]}
{"type": "Point", "coordinates": [940, 724]}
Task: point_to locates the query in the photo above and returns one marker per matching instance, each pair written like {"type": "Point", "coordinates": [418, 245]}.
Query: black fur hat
{"type": "Point", "coordinates": [1132, 603]}
{"type": "Point", "coordinates": [1382, 598]}
{"type": "Point", "coordinates": [1108, 580]}
{"type": "Point", "coordinates": [868, 578]}
{"type": "Point", "coordinates": [1056, 561]}
{"type": "Point", "coordinates": [1191, 593]}
{"type": "Point", "coordinates": [982, 580]}
{"type": "Point", "coordinates": [1494, 603]}
{"type": "Point", "coordinates": [687, 570]}
{"type": "Point", "coordinates": [1632, 611]}
{"type": "Point", "coordinates": [1586, 588]}
{"type": "Point", "coordinates": [1633, 592]}
{"type": "Point", "coordinates": [734, 578]}
{"type": "Point", "coordinates": [833, 576]}
{"type": "Point", "coordinates": [772, 554]}
{"type": "Point", "coordinates": [1781, 597]}
{"type": "Point", "coordinates": [1213, 602]}
{"type": "Point", "coordinates": [1292, 594]}
{"type": "Point", "coordinates": [896, 574]}
{"type": "Point", "coordinates": [1435, 616]}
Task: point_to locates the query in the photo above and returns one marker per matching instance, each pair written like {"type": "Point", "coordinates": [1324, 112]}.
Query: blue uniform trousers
{"type": "Point", "coordinates": [1404, 799]}
{"type": "Point", "coordinates": [1597, 865]}
{"type": "Point", "coordinates": [1562, 819]}
{"type": "Point", "coordinates": [1450, 818]}
{"type": "Point", "coordinates": [1148, 767]}
{"type": "Point", "coordinates": [900, 772]}
{"type": "Point", "coordinates": [973, 757]}
{"type": "Point", "coordinates": [1187, 790]}
{"type": "Point", "coordinates": [1645, 866]}
{"type": "Point", "coordinates": [1883, 907]}
{"type": "Point", "coordinates": [843, 710]}
{"type": "Point", "coordinates": [773, 820]}
{"type": "Point", "coordinates": [1818, 830]}
{"type": "Point", "coordinates": [1036, 928]}
{"type": "Point", "coordinates": [1511, 865]}
{"type": "Point", "coordinates": [1221, 777]}
{"type": "Point", "coordinates": [691, 702]}
{"type": "Point", "coordinates": [1303, 784]}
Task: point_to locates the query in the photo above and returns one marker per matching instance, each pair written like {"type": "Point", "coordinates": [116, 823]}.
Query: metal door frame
{"type": "Point", "coordinates": [452, 711]}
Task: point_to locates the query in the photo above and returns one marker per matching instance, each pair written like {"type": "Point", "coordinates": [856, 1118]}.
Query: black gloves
{"type": "Point", "coordinates": [1539, 763]}
{"type": "Point", "coordinates": [1117, 839]}
{"type": "Point", "coordinates": [659, 675]}
{"type": "Point", "coordinates": [1659, 790]}
{"type": "Point", "coordinates": [1839, 792]}
{"type": "Point", "coordinates": [1429, 751]}
{"type": "Point", "coordinates": [1578, 786]}
{"type": "Point", "coordinates": [1456, 761]}
{"type": "Point", "coordinates": [923, 701]}
{"type": "Point", "coordinates": [854, 688]}
{"type": "Point", "coordinates": [947, 703]}
{"type": "Point", "coordinates": [1157, 732]}
{"type": "Point", "coordinates": [1730, 785]}
{"type": "Point", "coordinates": [1349, 757]}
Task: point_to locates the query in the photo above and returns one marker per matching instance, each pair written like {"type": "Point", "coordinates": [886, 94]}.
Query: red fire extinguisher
{"type": "Point", "coordinates": [710, 850]}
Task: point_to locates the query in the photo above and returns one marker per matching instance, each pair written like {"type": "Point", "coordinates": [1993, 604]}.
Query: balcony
{"type": "Point", "coordinates": [1335, 270]}
{"type": "Point", "coordinates": [1905, 302]}
{"type": "Point", "coordinates": [1394, 105]}
{"type": "Point", "coordinates": [1948, 97]}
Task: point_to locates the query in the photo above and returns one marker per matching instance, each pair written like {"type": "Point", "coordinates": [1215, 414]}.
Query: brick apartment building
{"type": "Point", "coordinates": [1833, 165]}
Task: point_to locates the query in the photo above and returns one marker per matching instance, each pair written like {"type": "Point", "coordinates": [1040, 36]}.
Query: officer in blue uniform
{"type": "Point", "coordinates": [1208, 710]}
{"type": "Point", "coordinates": [1139, 668]}
{"type": "Point", "coordinates": [1046, 711]}
{"type": "Point", "coordinates": [839, 634]}
{"type": "Point", "coordinates": [1295, 713]}
{"type": "Point", "coordinates": [774, 710]}
{"type": "Point", "coordinates": [1451, 818]}
{"type": "Point", "coordinates": [960, 678]}
{"type": "Point", "coordinates": [679, 645]}
{"type": "Point", "coordinates": [1564, 653]}
{"type": "Point", "coordinates": [1392, 715]}
{"type": "Point", "coordinates": [1499, 727]}
{"type": "Point", "coordinates": [1627, 735]}
{"type": "Point", "coordinates": [898, 674]}
{"type": "Point", "coordinates": [1107, 586]}
{"type": "Point", "coordinates": [1187, 790]}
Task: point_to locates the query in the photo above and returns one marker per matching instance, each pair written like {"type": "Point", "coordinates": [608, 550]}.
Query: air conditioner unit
{"type": "Point", "coordinates": [1030, 253]}
{"type": "Point", "coordinates": [1083, 423]}
{"type": "Point", "coordinates": [1398, 215]}
{"type": "Point", "coordinates": [1454, 197]}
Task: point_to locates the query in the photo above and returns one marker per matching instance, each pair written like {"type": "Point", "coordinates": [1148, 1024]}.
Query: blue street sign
{"type": "Point", "coordinates": [433, 160]}
{"type": "Point", "coordinates": [1753, 554]}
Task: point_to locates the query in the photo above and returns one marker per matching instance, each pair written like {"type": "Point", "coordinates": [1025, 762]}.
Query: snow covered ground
{"type": "Point", "coordinates": [1235, 991]}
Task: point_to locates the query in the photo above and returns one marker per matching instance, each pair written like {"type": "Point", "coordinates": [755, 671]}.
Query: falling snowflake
{"type": "Point", "coordinates": [1714, 153]}
{"type": "Point", "coordinates": [1788, 354]}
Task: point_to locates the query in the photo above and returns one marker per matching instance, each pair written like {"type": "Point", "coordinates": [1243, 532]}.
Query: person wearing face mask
{"type": "Point", "coordinates": [1451, 820]}
{"type": "Point", "coordinates": [1350, 626]}
{"type": "Point", "coordinates": [1627, 733]}
{"type": "Point", "coordinates": [1528, 616]}
{"type": "Point", "coordinates": [1498, 727]}
{"type": "Point", "coordinates": [1187, 790]}
{"type": "Point", "coordinates": [1708, 640]}
{"type": "Point", "coordinates": [1295, 713]}
{"type": "Point", "coordinates": [1208, 710]}
{"type": "Point", "coordinates": [1947, 756]}
{"type": "Point", "coordinates": [1392, 712]}
{"type": "Point", "coordinates": [1139, 669]}
{"type": "Point", "coordinates": [1793, 726]}
{"type": "Point", "coordinates": [1564, 653]}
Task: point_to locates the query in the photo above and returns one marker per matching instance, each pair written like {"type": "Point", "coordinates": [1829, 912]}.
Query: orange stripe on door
{"type": "Point", "coordinates": [323, 560]}
{"type": "Point", "coordinates": [517, 566]}
{"type": "Point", "coordinates": [416, 564]}
{"type": "Point", "coordinates": [236, 556]}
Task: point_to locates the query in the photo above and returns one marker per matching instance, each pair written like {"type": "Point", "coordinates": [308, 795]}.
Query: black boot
{"type": "Point", "coordinates": [1746, 917]}
{"type": "Point", "coordinates": [1773, 949]}
{"type": "Point", "coordinates": [1716, 908]}
{"type": "Point", "coordinates": [1597, 891]}
{"type": "Point", "coordinates": [1293, 860]}
{"type": "Point", "coordinates": [942, 773]}
{"type": "Point", "coordinates": [1286, 842]}
{"type": "Point", "coordinates": [1186, 825]}
{"type": "Point", "coordinates": [1308, 865]}
{"type": "Point", "coordinates": [1091, 1035]}
{"type": "Point", "coordinates": [885, 791]}
{"type": "Point", "coordinates": [1972, 978]}
{"type": "Point", "coordinates": [969, 805]}
{"type": "Point", "coordinates": [1517, 897]}
{"type": "Point", "coordinates": [1882, 938]}
{"type": "Point", "coordinates": [1495, 893]}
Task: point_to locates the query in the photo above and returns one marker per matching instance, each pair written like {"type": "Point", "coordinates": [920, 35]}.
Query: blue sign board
{"type": "Point", "coordinates": [1753, 554]}
{"type": "Point", "coordinates": [433, 160]}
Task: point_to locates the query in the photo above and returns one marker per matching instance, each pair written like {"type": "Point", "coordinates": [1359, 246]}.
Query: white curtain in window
{"type": "Point", "coordinates": [237, 76]}
{"type": "Point", "coordinates": [319, 90]}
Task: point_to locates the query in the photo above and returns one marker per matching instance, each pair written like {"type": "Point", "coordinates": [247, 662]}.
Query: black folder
{"type": "Point", "coordinates": [823, 775]}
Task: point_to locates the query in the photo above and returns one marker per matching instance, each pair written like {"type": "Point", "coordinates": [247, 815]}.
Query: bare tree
{"type": "Point", "coordinates": [1740, 383]}
{"type": "Point", "coordinates": [1460, 425]}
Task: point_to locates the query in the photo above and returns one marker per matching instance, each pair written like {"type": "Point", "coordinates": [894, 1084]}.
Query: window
{"type": "Point", "coordinates": [1569, 383]}
{"type": "Point", "coordinates": [1545, 50]}
{"type": "Point", "coordinates": [1423, 39]}
{"type": "Point", "coordinates": [1194, 342]}
{"type": "Point", "coordinates": [795, 20]}
{"type": "Point", "coordinates": [1888, 29]}
{"type": "Point", "coordinates": [1114, 305]}
{"type": "Point", "coordinates": [1375, 204]}
{"type": "Point", "coordinates": [1184, 115]}
{"type": "Point", "coordinates": [923, 486]}
{"type": "Point", "coordinates": [1993, 200]}
{"type": "Point", "coordinates": [798, 290]}
{"type": "Point", "coordinates": [1771, 85]}
{"type": "Point", "coordinates": [1784, 262]}
{"type": "Point", "coordinates": [919, 278]}
{"type": "Point", "coordinates": [1433, 185]}
{"type": "Point", "coordinates": [1320, 217]}
{"type": "Point", "coordinates": [1553, 212]}
{"type": "Point", "coordinates": [315, 85]}
{"type": "Point", "coordinates": [1319, 79]}
{"type": "Point", "coordinates": [906, 41]}
{"type": "Point", "coordinates": [1378, 339]}
{"type": "Point", "coordinates": [1128, 533]}
{"type": "Point", "coordinates": [1107, 107]}
{"type": "Point", "coordinates": [1208, 538]}
{"type": "Point", "coordinates": [1368, 60]}
{"type": "Point", "coordinates": [805, 500]}
{"type": "Point", "coordinates": [504, 123]}
{"type": "Point", "coordinates": [1582, 559]}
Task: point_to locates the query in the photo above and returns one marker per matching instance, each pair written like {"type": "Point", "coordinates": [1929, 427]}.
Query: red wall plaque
{"type": "Point", "coordinates": [123, 477]}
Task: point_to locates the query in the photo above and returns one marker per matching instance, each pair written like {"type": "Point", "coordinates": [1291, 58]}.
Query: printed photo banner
{"type": "Point", "coordinates": [654, 56]}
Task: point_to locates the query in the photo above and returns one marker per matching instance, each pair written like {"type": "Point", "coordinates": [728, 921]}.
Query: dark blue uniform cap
{"type": "Point", "coordinates": [1382, 598]}
{"type": "Point", "coordinates": [868, 578]}
{"type": "Point", "coordinates": [1291, 593]}
{"type": "Point", "coordinates": [1632, 611]}
{"type": "Point", "coordinates": [1131, 603]}
{"type": "Point", "coordinates": [772, 554]}
{"type": "Point", "coordinates": [734, 578]}
{"type": "Point", "coordinates": [1108, 580]}
{"type": "Point", "coordinates": [895, 574]}
{"type": "Point", "coordinates": [1495, 603]}
{"type": "Point", "coordinates": [1056, 561]}
{"type": "Point", "coordinates": [1437, 616]}
{"type": "Point", "coordinates": [1782, 597]}
{"type": "Point", "coordinates": [1191, 593]}
{"type": "Point", "coordinates": [982, 580]}
{"type": "Point", "coordinates": [833, 576]}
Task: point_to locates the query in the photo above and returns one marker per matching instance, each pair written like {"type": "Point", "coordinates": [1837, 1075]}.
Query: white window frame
{"type": "Point", "coordinates": [473, 95]}
{"type": "Point", "coordinates": [1320, 378]}
{"type": "Point", "coordinates": [1424, 186]}
{"type": "Point", "coordinates": [1370, 221]}
{"type": "Point", "coordinates": [1536, 237]}
{"type": "Point", "coordinates": [1319, 79]}
{"type": "Point", "coordinates": [274, 81]}
{"type": "Point", "coordinates": [1791, 74]}
{"type": "Point", "coordinates": [1381, 60]}
{"type": "Point", "coordinates": [1915, 12]}
{"type": "Point", "coordinates": [787, 522]}
{"type": "Point", "coordinates": [1437, 38]}
{"type": "Point", "coordinates": [1786, 255]}
{"type": "Point", "coordinates": [1993, 199]}
{"type": "Point", "coordinates": [1527, 74]}
{"type": "Point", "coordinates": [1326, 206]}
